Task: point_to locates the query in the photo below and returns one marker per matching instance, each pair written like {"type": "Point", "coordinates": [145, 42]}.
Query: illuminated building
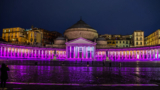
{"type": "Point", "coordinates": [153, 39]}
{"type": "Point", "coordinates": [76, 46]}
{"type": "Point", "coordinates": [80, 49]}
{"type": "Point", "coordinates": [33, 36]}
{"type": "Point", "coordinates": [14, 35]}
{"type": "Point", "coordinates": [47, 36]}
{"type": "Point", "coordinates": [123, 43]}
{"type": "Point", "coordinates": [138, 38]}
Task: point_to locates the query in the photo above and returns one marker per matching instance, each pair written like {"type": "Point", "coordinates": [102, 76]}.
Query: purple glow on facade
{"type": "Point", "coordinates": [76, 51]}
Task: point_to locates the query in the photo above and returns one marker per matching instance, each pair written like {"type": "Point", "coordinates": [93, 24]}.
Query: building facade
{"type": "Point", "coordinates": [138, 38]}
{"type": "Point", "coordinates": [80, 49]}
{"type": "Point", "coordinates": [33, 36]}
{"type": "Point", "coordinates": [153, 38]}
{"type": "Point", "coordinates": [81, 42]}
{"type": "Point", "coordinates": [13, 35]}
{"type": "Point", "coordinates": [123, 43]}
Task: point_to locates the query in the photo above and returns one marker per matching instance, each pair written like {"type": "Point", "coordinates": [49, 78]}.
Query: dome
{"type": "Point", "coordinates": [80, 29]}
{"type": "Point", "coordinates": [60, 38]}
{"type": "Point", "coordinates": [80, 24]}
{"type": "Point", "coordinates": [101, 39]}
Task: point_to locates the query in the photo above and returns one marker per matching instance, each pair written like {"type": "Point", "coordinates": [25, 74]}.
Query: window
{"type": "Point", "coordinates": [120, 41]}
{"type": "Point", "coordinates": [116, 46]}
{"type": "Point", "coordinates": [126, 45]}
{"type": "Point", "coordinates": [126, 42]}
{"type": "Point", "coordinates": [123, 41]}
{"type": "Point", "coordinates": [137, 38]}
{"type": "Point", "coordinates": [9, 30]}
{"type": "Point", "coordinates": [31, 39]}
{"type": "Point", "coordinates": [136, 43]}
{"type": "Point", "coordinates": [141, 43]}
{"type": "Point", "coordinates": [140, 38]}
{"type": "Point", "coordinates": [27, 32]}
{"type": "Point", "coordinates": [113, 43]}
{"type": "Point", "coordinates": [116, 41]}
{"type": "Point", "coordinates": [4, 30]}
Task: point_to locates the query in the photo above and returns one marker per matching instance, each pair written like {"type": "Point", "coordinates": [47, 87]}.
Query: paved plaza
{"type": "Point", "coordinates": [76, 75]}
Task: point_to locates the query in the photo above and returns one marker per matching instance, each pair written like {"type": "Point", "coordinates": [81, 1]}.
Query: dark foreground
{"type": "Point", "coordinates": [49, 75]}
{"type": "Point", "coordinates": [46, 87]}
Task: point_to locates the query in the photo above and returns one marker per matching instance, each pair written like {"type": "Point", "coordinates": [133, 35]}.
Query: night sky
{"type": "Point", "coordinates": [106, 16]}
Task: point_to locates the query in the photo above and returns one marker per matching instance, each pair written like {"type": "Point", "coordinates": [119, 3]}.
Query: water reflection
{"type": "Point", "coordinates": [93, 75]}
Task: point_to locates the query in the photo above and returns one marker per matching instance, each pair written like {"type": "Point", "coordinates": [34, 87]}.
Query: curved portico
{"type": "Point", "coordinates": [80, 49]}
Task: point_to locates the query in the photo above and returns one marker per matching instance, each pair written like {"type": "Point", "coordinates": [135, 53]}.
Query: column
{"type": "Point", "coordinates": [82, 52]}
{"type": "Point", "coordinates": [74, 52]}
{"type": "Point", "coordinates": [95, 52]}
{"type": "Point", "coordinates": [47, 52]}
{"type": "Point", "coordinates": [7, 52]}
{"type": "Point", "coordinates": [86, 53]}
{"type": "Point", "coordinates": [150, 54]}
{"type": "Point", "coordinates": [70, 51]}
{"type": "Point", "coordinates": [25, 54]}
{"type": "Point", "coordinates": [132, 55]}
{"type": "Point", "coordinates": [35, 53]}
{"type": "Point", "coordinates": [125, 55]}
{"type": "Point", "coordinates": [11, 54]}
{"type": "Point", "coordinates": [140, 54]}
{"type": "Point", "coordinates": [51, 54]}
{"type": "Point", "coordinates": [146, 54]}
{"type": "Point", "coordinates": [119, 55]}
{"type": "Point", "coordinates": [4, 52]}
{"type": "Point", "coordinates": [21, 52]}
{"type": "Point", "coordinates": [78, 51]}
{"type": "Point", "coordinates": [39, 54]}
{"type": "Point", "coordinates": [136, 55]}
{"type": "Point", "coordinates": [115, 55]}
{"type": "Point", "coordinates": [143, 54]}
{"type": "Point", "coordinates": [28, 53]}
{"type": "Point", "coordinates": [129, 55]}
{"type": "Point", "coordinates": [157, 54]}
{"type": "Point", "coordinates": [101, 55]}
{"type": "Point", "coordinates": [90, 52]}
{"type": "Point", "coordinates": [154, 54]}
{"type": "Point", "coordinates": [18, 53]}
{"type": "Point", "coordinates": [1, 51]}
{"type": "Point", "coordinates": [42, 54]}
{"type": "Point", "coordinates": [14, 52]}
{"type": "Point", "coordinates": [122, 55]}
{"type": "Point", "coordinates": [63, 54]}
{"type": "Point", "coordinates": [108, 54]}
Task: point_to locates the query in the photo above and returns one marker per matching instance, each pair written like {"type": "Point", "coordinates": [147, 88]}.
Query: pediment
{"type": "Point", "coordinates": [80, 41]}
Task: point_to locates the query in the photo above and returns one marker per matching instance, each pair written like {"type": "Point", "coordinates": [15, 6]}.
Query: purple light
{"type": "Point", "coordinates": [128, 54]}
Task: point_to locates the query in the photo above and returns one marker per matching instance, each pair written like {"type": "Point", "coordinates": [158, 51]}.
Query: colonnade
{"type": "Point", "coordinates": [152, 54]}
{"type": "Point", "coordinates": [41, 53]}
{"type": "Point", "coordinates": [80, 52]}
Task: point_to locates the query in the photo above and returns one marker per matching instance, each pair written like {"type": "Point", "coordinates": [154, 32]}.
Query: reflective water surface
{"type": "Point", "coordinates": [77, 72]}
